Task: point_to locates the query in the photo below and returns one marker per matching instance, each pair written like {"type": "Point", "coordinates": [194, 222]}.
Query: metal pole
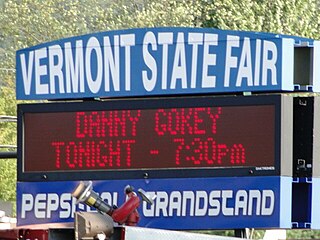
{"type": "Point", "coordinates": [5, 155]}
{"type": "Point", "coordinates": [8, 118]}
{"type": "Point", "coordinates": [240, 233]}
{"type": "Point", "coordinates": [10, 154]}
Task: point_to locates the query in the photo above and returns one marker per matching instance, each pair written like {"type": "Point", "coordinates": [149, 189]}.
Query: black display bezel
{"type": "Point", "coordinates": [149, 103]}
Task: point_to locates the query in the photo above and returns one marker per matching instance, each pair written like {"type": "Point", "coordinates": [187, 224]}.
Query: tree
{"type": "Point", "coordinates": [30, 22]}
{"type": "Point", "coordinates": [7, 137]}
{"type": "Point", "coordinates": [292, 17]}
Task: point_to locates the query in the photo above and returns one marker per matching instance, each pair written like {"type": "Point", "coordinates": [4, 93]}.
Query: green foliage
{"type": "Point", "coordinates": [303, 234]}
{"type": "Point", "coordinates": [293, 17]}
{"type": "Point", "coordinates": [25, 23]}
{"type": "Point", "coordinates": [8, 167]}
{"type": "Point", "coordinates": [7, 136]}
{"type": "Point", "coordinates": [8, 180]}
{"type": "Point", "coordinates": [31, 22]}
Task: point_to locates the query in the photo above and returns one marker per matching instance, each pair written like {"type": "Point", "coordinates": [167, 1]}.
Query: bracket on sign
{"type": "Point", "coordinates": [306, 60]}
{"type": "Point", "coordinates": [303, 124]}
{"type": "Point", "coordinates": [301, 202]}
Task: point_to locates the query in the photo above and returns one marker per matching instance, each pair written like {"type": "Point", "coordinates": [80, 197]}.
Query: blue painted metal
{"type": "Point", "coordinates": [305, 203]}
{"type": "Point", "coordinates": [301, 202]}
{"type": "Point", "coordinates": [199, 203]}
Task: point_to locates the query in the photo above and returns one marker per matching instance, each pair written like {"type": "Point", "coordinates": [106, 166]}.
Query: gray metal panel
{"type": "Point", "coordinates": [286, 135]}
{"type": "Point", "coordinates": [316, 138]}
{"type": "Point", "coordinates": [303, 65]}
{"type": "Point", "coordinates": [137, 233]}
{"type": "Point", "coordinates": [316, 64]}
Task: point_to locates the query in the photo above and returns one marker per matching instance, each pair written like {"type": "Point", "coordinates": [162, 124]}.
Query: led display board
{"type": "Point", "coordinates": [151, 138]}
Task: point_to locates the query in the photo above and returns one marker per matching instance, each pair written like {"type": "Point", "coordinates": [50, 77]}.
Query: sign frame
{"type": "Point", "coordinates": [181, 204]}
{"type": "Point", "coordinates": [155, 62]}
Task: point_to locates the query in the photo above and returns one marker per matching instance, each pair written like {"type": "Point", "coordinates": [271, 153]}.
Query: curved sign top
{"type": "Point", "coordinates": [155, 61]}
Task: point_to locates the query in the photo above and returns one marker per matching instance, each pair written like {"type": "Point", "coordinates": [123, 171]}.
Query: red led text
{"type": "Point", "coordinates": [150, 138]}
{"type": "Point", "coordinates": [90, 154]}
{"type": "Point", "coordinates": [191, 121]}
{"type": "Point", "coordinates": [107, 124]}
{"type": "Point", "coordinates": [208, 152]}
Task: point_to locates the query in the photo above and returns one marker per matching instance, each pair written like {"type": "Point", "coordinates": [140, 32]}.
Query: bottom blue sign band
{"type": "Point", "coordinates": [193, 203]}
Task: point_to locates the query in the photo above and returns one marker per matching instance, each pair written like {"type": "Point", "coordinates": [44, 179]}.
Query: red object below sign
{"type": "Point", "coordinates": [36, 234]}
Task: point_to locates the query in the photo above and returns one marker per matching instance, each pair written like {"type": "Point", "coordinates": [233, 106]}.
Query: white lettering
{"type": "Point", "coordinates": [40, 70]}
{"type": "Point", "coordinates": [195, 39]}
{"type": "Point", "coordinates": [175, 203]}
{"type": "Point", "coordinates": [56, 55]}
{"type": "Point", "coordinates": [127, 41]}
{"type": "Point", "coordinates": [43, 205]}
{"type": "Point", "coordinates": [65, 204]}
{"type": "Point", "coordinates": [179, 70]}
{"type": "Point", "coordinates": [111, 64]}
{"type": "Point", "coordinates": [52, 204]}
{"type": "Point", "coordinates": [165, 39]}
{"type": "Point", "coordinates": [93, 45]}
{"type": "Point", "coordinates": [148, 209]}
{"type": "Point", "coordinates": [254, 194]}
{"type": "Point", "coordinates": [269, 64]}
{"type": "Point", "coordinates": [27, 72]}
{"type": "Point", "coordinates": [179, 63]}
{"type": "Point", "coordinates": [241, 202]}
{"type": "Point", "coordinates": [167, 204]}
{"type": "Point", "coordinates": [149, 83]}
{"type": "Point", "coordinates": [74, 68]}
{"type": "Point", "coordinates": [245, 65]}
{"type": "Point", "coordinates": [201, 203]}
{"type": "Point", "coordinates": [188, 195]}
{"type": "Point", "coordinates": [227, 211]}
{"type": "Point", "coordinates": [231, 61]}
{"type": "Point", "coordinates": [26, 204]}
{"type": "Point", "coordinates": [161, 204]}
{"type": "Point", "coordinates": [267, 202]}
{"type": "Point", "coordinates": [214, 203]}
{"type": "Point", "coordinates": [257, 63]}
{"type": "Point", "coordinates": [40, 205]}
{"type": "Point", "coordinates": [209, 59]}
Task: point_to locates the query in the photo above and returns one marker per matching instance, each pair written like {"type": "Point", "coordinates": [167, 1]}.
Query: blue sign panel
{"type": "Point", "coordinates": [199, 203]}
{"type": "Point", "coordinates": [305, 203]}
{"type": "Point", "coordinates": [155, 61]}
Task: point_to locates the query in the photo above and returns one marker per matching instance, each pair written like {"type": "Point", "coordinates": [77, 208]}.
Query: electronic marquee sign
{"type": "Point", "coordinates": [156, 61]}
{"type": "Point", "coordinates": [155, 138]}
